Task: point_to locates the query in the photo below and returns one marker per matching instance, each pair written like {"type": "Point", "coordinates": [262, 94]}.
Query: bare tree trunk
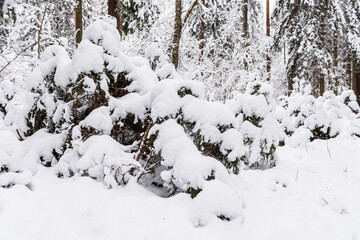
{"type": "Point", "coordinates": [353, 76]}
{"type": "Point", "coordinates": [1, 9]}
{"type": "Point", "coordinates": [78, 22]}
{"type": "Point", "coordinates": [322, 84]}
{"type": "Point", "coordinates": [291, 73]}
{"type": "Point", "coordinates": [268, 67]}
{"type": "Point", "coordinates": [202, 30]}
{"type": "Point", "coordinates": [356, 79]}
{"type": "Point", "coordinates": [177, 33]}
{"type": "Point", "coordinates": [348, 70]}
{"type": "Point", "coordinates": [336, 53]}
{"type": "Point", "coordinates": [114, 10]}
{"type": "Point", "coordinates": [245, 30]}
{"type": "Point", "coordinates": [284, 53]}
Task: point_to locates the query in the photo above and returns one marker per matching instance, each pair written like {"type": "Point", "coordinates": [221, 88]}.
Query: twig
{"type": "Point", "coordinates": [17, 55]}
{"type": "Point", "coordinates": [142, 143]}
{"type": "Point", "coordinates": [18, 133]}
{"type": "Point", "coordinates": [297, 174]}
{"type": "Point", "coordinates": [327, 146]}
{"type": "Point", "coordinates": [190, 11]}
{"type": "Point", "coordinates": [40, 31]}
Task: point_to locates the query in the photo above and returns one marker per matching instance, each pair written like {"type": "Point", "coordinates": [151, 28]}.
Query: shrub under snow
{"type": "Point", "coordinates": [306, 118]}
{"type": "Point", "coordinates": [117, 118]}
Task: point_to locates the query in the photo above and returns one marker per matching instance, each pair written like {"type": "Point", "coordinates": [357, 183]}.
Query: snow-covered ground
{"type": "Point", "coordinates": [313, 193]}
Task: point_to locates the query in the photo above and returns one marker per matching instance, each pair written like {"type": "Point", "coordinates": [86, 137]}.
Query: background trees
{"type": "Point", "coordinates": [319, 36]}
{"type": "Point", "coordinates": [223, 43]}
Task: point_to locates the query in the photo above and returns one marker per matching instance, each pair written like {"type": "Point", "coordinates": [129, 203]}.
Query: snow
{"type": "Point", "coordinates": [99, 119]}
{"type": "Point", "coordinates": [200, 154]}
{"type": "Point", "coordinates": [311, 194]}
{"type": "Point", "coordinates": [187, 167]}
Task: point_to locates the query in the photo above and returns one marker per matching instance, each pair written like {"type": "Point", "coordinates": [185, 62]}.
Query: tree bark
{"type": "Point", "coordinates": [322, 84]}
{"type": "Point", "coordinates": [78, 22]}
{"type": "Point", "coordinates": [245, 30]}
{"type": "Point", "coordinates": [348, 71]}
{"type": "Point", "coordinates": [114, 10]}
{"type": "Point", "coordinates": [177, 33]}
{"type": "Point", "coordinates": [356, 79]}
{"type": "Point", "coordinates": [1, 9]}
{"type": "Point", "coordinates": [336, 53]}
{"type": "Point", "coordinates": [268, 67]}
{"type": "Point", "coordinates": [202, 30]}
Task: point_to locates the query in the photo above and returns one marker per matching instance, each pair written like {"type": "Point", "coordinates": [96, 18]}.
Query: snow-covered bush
{"type": "Point", "coordinates": [319, 118]}
{"type": "Point", "coordinates": [255, 114]}
{"type": "Point", "coordinates": [11, 171]}
{"type": "Point", "coordinates": [123, 118]}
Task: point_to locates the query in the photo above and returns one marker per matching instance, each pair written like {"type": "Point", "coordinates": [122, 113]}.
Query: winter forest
{"type": "Point", "coordinates": [179, 119]}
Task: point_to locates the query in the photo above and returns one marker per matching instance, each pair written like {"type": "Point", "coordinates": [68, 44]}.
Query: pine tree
{"type": "Point", "coordinates": [229, 58]}
{"type": "Point", "coordinates": [351, 10]}
{"type": "Point", "coordinates": [308, 29]}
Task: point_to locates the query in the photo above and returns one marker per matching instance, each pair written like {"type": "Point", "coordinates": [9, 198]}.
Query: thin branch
{"type": "Point", "coordinates": [142, 143]}
{"type": "Point", "coordinates": [40, 31]}
{"type": "Point", "coordinates": [17, 55]}
{"type": "Point", "coordinates": [190, 11]}
{"type": "Point", "coordinates": [20, 137]}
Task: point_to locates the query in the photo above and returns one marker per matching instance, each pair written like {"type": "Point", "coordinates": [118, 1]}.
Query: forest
{"type": "Point", "coordinates": [197, 119]}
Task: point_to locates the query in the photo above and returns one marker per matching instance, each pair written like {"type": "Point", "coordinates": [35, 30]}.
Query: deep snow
{"type": "Point", "coordinates": [313, 193]}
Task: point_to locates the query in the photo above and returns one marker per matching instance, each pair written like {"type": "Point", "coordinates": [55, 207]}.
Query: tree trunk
{"type": "Point", "coordinates": [1, 9]}
{"type": "Point", "coordinates": [78, 22]}
{"type": "Point", "coordinates": [284, 53]}
{"type": "Point", "coordinates": [202, 30]}
{"type": "Point", "coordinates": [353, 76]}
{"type": "Point", "coordinates": [245, 31]}
{"type": "Point", "coordinates": [348, 71]}
{"type": "Point", "coordinates": [268, 67]}
{"type": "Point", "coordinates": [336, 53]}
{"type": "Point", "coordinates": [177, 33]}
{"type": "Point", "coordinates": [115, 11]}
{"type": "Point", "coordinates": [322, 84]}
{"type": "Point", "coordinates": [356, 79]}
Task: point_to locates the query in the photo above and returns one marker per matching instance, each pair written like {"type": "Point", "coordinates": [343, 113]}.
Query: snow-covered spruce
{"type": "Point", "coordinates": [124, 117]}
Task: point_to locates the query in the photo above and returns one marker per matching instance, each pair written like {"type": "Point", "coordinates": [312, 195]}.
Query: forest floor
{"type": "Point", "coordinates": [313, 193]}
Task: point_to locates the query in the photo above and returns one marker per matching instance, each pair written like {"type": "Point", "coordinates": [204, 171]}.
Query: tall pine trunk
{"type": "Point", "coordinates": [348, 71]}
{"type": "Point", "coordinates": [78, 22]}
{"type": "Point", "coordinates": [322, 84]}
{"type": "Point", "coordinates": [177, 33]}
{"type": "Point", "coordinates": [336, 63]}
{"type": "Point", "coordinates": [356, 79]}
{"type": "Point", "coordinates": [202, 30]}
{"type": "Point", "coordinates": [245, 31]}
{"type": "Point", "coordinates": [114, 10]}
{"type": "Point", "coordinates": [268, 66]}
